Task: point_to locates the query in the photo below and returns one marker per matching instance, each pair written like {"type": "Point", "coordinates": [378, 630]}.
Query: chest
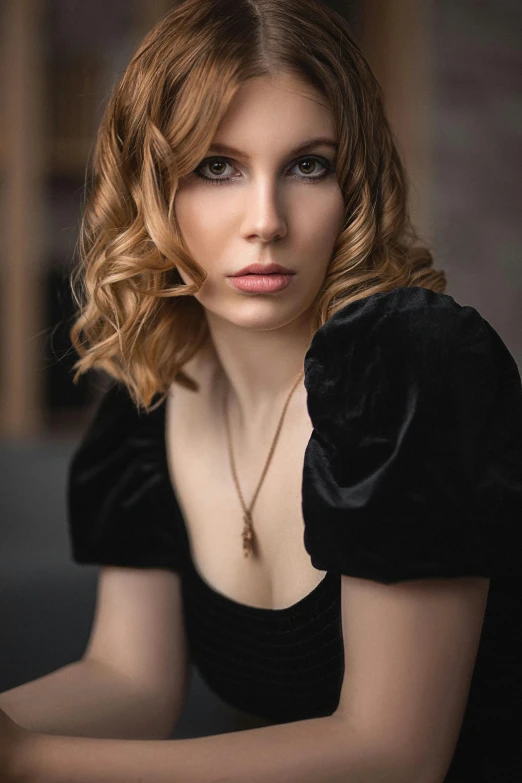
{"type": "Point", "coordinates": [201, 474]}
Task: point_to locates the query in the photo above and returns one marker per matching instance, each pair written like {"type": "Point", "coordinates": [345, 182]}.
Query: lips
{"type": "Point", "coordinates": [261, 284]}
{"type": "Point", "coordinates": [263, 269]}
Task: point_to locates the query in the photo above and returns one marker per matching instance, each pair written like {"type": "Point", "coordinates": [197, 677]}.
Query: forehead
{"type": "Point", "coordinates": [274, 112]}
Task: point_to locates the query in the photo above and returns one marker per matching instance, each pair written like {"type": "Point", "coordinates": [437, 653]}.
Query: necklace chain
{"type": "Point", "coordinates": [249, 543]}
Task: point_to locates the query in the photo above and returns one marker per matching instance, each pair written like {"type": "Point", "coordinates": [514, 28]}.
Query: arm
{"type": "Point", "coordinates": [409, 649]}
{"type": "Point", "coordinates": [321, 750]}
{"type": "Point", "coordinates": [131, 681]}
{"type": "Point", "coordinates": [86, 699]}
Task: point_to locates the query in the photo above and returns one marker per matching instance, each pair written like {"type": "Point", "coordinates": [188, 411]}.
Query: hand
{"type": "Point", "coordinates": [13, 739]}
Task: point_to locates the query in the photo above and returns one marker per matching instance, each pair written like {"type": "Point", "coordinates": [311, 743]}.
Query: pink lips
{"type": "Point", "coordinates": [261, 284]}
{"type": "Point", "coordinates": [262, 278]}
{"type": "Point", "coordinates": [263, 269]}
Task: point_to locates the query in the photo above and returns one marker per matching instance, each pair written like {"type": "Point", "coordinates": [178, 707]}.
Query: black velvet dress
{"type": "Point", "coordinates": [413, 470]}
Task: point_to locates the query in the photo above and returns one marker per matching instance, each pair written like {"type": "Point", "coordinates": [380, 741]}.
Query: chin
{"type": "Point", "coordinates": [258, 313]}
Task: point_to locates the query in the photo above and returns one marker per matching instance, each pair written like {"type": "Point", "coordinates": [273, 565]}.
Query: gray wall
{"type": "Point", "coordinates": [477, 155]}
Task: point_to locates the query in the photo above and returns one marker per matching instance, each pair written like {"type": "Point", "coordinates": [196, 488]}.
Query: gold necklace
{"type": "Point", "coordinates": [249, 544]}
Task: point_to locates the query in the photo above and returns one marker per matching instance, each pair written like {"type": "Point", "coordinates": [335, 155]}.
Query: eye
{"type": "Point", "coordinates": [215, 166]}
{"type": "Point", "coordinates": [220, 164]}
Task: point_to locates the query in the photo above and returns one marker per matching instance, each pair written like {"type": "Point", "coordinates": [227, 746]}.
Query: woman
{"type": "Point", "coordinates": [306, 474]}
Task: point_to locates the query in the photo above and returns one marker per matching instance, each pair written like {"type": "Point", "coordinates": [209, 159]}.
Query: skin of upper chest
{"type": "Point", "coordinates": [280, 573]}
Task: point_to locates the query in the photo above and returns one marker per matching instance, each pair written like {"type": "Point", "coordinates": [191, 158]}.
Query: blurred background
{"type": "Point", "coordinates": [451, 72]}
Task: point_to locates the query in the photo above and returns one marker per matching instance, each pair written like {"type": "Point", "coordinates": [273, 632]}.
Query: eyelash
{"type": "Point", "coordinates": [225, 180]}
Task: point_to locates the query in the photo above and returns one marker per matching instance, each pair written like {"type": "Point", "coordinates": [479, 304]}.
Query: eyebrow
{"type": "Point", "coordinates": [320, 141]}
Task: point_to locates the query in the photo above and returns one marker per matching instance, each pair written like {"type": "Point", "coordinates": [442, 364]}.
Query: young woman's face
{"type": "Point", "coordinates": [266, 202]}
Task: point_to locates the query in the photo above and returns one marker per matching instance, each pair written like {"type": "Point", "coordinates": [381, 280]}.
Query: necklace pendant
{"type": "Point", "coordinates": [248, 534]}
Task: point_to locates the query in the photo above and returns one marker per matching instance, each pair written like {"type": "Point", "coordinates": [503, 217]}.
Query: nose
{"type": "Point", "coordinates": [263, 216]}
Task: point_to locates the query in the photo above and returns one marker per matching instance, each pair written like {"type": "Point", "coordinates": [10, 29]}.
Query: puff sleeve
{"type": "Point", "coordinates": [121, 506]}
{"type": "Point", "coordinates": [414, 466]}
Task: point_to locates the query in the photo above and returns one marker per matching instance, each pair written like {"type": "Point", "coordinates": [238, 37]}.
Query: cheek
{"type": "Point", "coordinates": [203, 221]}
{"type": "Point", "coordinates": [333, 208]}
{"type": "Point", "coordinates": [319, 224]}
{"type": "Point", "coordinates": [205, 230]}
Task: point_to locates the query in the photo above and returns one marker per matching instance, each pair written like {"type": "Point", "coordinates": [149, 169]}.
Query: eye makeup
{"type": "Point", "coordinates": [327, 169]}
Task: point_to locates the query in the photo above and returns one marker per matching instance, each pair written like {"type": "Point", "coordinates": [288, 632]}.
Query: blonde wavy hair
{"type": "Point", "coordinates": [136, 319]}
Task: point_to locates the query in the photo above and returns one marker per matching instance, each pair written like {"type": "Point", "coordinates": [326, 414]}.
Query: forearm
{"type": "Point", "coordinates": [85, 699]}
{"type": "Point", "coordinates": [320, 750]}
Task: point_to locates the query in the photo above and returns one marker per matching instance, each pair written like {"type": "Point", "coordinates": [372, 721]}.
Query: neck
{"type": "Point", "coordinates": [257, 369]}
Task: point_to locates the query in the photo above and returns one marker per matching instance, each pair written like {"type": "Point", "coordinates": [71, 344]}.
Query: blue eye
{"type": "Point", "coordinates": [327, 169]}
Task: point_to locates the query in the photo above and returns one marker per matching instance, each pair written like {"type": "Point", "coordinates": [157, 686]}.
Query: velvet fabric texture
{"type": "Point", "coordinates": [121, 506]}
{"type": "Point", "coordinates": [413, 470]}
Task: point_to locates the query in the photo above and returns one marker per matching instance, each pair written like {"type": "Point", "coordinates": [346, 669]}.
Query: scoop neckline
{"type": "Point", "coordinates": [219, 596]}
{"type": "Point", "coordinates": [223, 599]}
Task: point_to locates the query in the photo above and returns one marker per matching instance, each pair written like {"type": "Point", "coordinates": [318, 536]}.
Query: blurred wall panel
{"type": "Point", "coordinates": [21, 162]}
{"type": "Point", "coordinates": [396, 40]}
{"type": "Point", "coordinates": [477, 132]}
{"type": "Point", "coordinates": [59, 61]}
